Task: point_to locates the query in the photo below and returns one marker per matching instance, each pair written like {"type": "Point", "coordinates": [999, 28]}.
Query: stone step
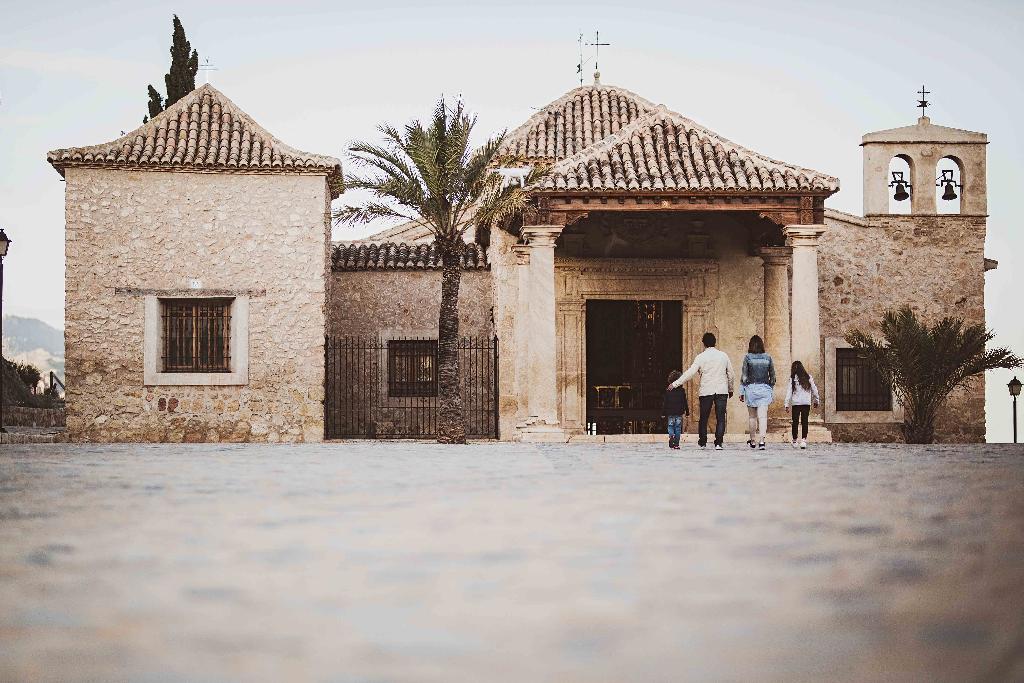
{"type": "Point", "coordinates": [815, 434]}
{"type": "Point", "coordinates": [15, 435]}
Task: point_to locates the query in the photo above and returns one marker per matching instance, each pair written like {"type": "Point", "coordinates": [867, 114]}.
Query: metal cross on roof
{"type": "Point", "coordinates": [597, 53]}
{"type": "Point", "coordinates": [922, 103]}
{"type": "Point", "coordinates": [206, 68]}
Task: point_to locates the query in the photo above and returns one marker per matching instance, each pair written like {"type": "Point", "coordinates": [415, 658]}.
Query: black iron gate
{"type": "Point", "coordinates": [387, 389]}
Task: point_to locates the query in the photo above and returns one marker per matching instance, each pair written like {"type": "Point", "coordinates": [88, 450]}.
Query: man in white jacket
{"type": "Point", "coordinates": [716, 376]}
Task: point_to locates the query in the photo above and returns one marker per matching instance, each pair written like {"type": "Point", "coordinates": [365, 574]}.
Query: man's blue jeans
{"type": "Point", "coordinates": [719, 402]}
{"type": "Point", "coordinates": [675, 427]}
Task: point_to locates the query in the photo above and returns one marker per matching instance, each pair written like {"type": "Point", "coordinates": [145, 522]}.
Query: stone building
{"type": "Point", "coordinates": [196, 279]}
{"type": "Point", "coordinates": [650, 230]}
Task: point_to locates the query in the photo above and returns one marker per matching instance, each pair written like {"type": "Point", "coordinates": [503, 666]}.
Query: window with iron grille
{"type": "Point", "coordinates": [196, 335]}
{"type": "Point", "coordinates": [412, 367]}
{"type": "Point", "coordinates": [858, 385]}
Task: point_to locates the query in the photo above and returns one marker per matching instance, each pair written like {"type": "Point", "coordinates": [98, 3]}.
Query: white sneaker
{"type": "Point", "coordinates": [803, 443]}
{"type": "Point", "coordinates": [703, 448]}
{"type": "Point", "coordinates": [795, 444]}
{"type": "Point", "coordinates": [719, 448]}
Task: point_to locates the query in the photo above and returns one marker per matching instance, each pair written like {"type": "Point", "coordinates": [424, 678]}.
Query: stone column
{"type": "Point", "coordinates": [776, 315]}
{"type": "Point", "coordinates": [522, 334]}
{"type": "Point", "coordinates": [806, 318]}
{"type": "Point", "coordinates": [542, 414]}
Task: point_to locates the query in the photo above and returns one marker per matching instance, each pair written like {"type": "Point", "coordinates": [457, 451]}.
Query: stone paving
{"type": "Point", "coordinates": [511, 562]}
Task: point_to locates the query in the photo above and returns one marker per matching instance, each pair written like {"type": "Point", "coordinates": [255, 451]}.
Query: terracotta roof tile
{"type": "Point", "coordinates": [575, 121]}
{"type": "Point", "coordinates": [202, 131]}
{"type": "Point", "coordinates": [604, 138]}
{"type": "Point", "coordinates": [400, 256]}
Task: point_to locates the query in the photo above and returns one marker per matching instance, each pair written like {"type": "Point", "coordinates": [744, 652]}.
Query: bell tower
{"type": "Point", "coordinates": [946, 170]}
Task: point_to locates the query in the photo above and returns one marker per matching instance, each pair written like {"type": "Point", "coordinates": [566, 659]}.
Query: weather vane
{"type": "Point", "coordinates": [206, 68]}
{"type": "Point", "coordinates": [922, 103]}
{"type": "Point", "coordinates": [580, 64]}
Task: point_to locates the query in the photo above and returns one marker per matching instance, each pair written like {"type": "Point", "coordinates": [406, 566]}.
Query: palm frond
{"type": "Point", "coordinates": [924, 364]}
{"type": "Point", "coordinates": [428, 171]}
{"type": "Point", "coordinates": [370, 211]}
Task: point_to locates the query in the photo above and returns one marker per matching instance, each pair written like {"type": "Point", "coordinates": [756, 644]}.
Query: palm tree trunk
{"type": "Point", "coordinates": [451, 428]}
{"type": "Point", "coordinates": [919, 426]}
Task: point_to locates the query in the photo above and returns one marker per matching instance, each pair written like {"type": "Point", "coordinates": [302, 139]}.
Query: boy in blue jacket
{"type": "Point", "coordinates": [673, 408]}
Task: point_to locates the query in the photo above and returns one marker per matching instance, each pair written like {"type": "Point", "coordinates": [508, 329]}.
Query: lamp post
{"type": "Point", "coordinates": [5, 243]}
{"type": "Point", "coordinates": [1014, 387]}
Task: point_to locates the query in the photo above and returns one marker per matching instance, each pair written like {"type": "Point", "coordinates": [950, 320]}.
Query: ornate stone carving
{"type": "Point", "coordinates": [692, 281]}
{"type": "Point", "coordinates": [775, 256]}
{"type": "Point", "coordinates": [806, 210]}
{"type": "Point", "coordinates": [567, 218]}
{"type": "Point", "coordinates": [780, 218]}
{"type": "Point", "coordinates": [541, 235]}
{"type": "Point", "coordinates": [803, 235]}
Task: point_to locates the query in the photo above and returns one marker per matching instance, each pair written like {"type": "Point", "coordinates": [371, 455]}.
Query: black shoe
{"type": "Point", "coordinates": [751, 443]}
{"type": "Point", "coordinates": [760, 446]}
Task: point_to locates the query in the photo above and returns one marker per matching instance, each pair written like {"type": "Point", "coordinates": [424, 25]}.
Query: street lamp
{"type": "Point", "coordinates": [5, 243]}
{"type": "Point", "coordinates": [1014, 386]}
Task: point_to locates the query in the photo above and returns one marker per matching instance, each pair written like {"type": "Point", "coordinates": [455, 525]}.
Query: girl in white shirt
{"type": "Point", "coordinates": [800, 393]}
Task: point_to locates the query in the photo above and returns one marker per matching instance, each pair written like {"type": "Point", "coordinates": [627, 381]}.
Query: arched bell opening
{"type": "Point", "coordinates": [901, 171]}
{"type": "Point", "coordinates": [949, 179]}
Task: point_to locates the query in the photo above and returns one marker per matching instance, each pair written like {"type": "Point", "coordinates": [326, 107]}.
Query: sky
{"type": "Point", "coordinates": [796, 80]}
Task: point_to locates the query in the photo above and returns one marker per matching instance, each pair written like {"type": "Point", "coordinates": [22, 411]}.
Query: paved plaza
{"type": "Point", "coordinates": [372, 562]}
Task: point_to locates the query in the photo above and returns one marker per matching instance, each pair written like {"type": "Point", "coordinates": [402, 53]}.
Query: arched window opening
{"type": "Point", "coordinates": [900, 173]}
{"type": "Point", "coordinates": [948, 185]}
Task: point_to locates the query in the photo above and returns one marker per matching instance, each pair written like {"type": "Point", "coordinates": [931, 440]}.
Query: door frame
{"type": "Point", "coordinates": [694, 282]}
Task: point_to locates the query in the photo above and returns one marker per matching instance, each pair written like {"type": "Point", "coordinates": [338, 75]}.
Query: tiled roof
{"type": "Point", "coordinates": [603, 138]}
{"type": "Point", "coordinates": [202, 131]}
{"type": "Point", "coordinates": [580, 118]}
{"type": "Point", "coordinates": [410, 232]}
{"type": "Point", "coordinates": [400, 256]}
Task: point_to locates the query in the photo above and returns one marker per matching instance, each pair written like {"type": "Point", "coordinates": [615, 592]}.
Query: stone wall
{"type": "Point", "coordinates": [149, 232]}
{"type": "Point", "coordinates": [935, 264]}
{"type": "Point", "coordinates": [23, 416]}
{"type": "Point", "coordinates": [394, 303]}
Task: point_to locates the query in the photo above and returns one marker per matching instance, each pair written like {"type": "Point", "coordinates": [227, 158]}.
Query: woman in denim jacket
{"type": "Point", "coordinates": [757, 382]}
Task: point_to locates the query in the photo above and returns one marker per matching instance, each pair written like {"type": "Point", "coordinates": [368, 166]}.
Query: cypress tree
{"type": "Point", "coordinates": [181, 79]}
{"type": "Point", "coordinates": [156, 104]}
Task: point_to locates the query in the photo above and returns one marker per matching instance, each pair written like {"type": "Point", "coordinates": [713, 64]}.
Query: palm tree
{"type": "Point", "coordinates": [923, 364]}
{"type": "Point", "coordinates": [430, 174]}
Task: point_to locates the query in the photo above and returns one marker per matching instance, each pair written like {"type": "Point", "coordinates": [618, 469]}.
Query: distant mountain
{"type": "Point", "coordinates": [28, 340]}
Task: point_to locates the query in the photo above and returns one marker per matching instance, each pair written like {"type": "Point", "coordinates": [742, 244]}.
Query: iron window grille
{"type": "Point", "coordinates": [196, 335]}
{"type": "Point", "coordinates": [858, 385]}
{"type": "Point", "coordinates": [412, 367]}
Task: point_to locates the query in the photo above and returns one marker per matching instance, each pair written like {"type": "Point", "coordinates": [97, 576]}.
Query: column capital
{"type": "Point", "coordinates": [522, 252]}
{"type": "Point", "coordinates": [803, 235]}
{"type": "Point", "coordinates": [775, 256]}
{"type": "Point", "coordinates": [541, 235]}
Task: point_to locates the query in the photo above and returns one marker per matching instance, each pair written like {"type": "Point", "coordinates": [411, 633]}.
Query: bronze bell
{"type": "Point", "coordinates": [901, 193]}
{"type": "Point", "coordinates": [948, 193]}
